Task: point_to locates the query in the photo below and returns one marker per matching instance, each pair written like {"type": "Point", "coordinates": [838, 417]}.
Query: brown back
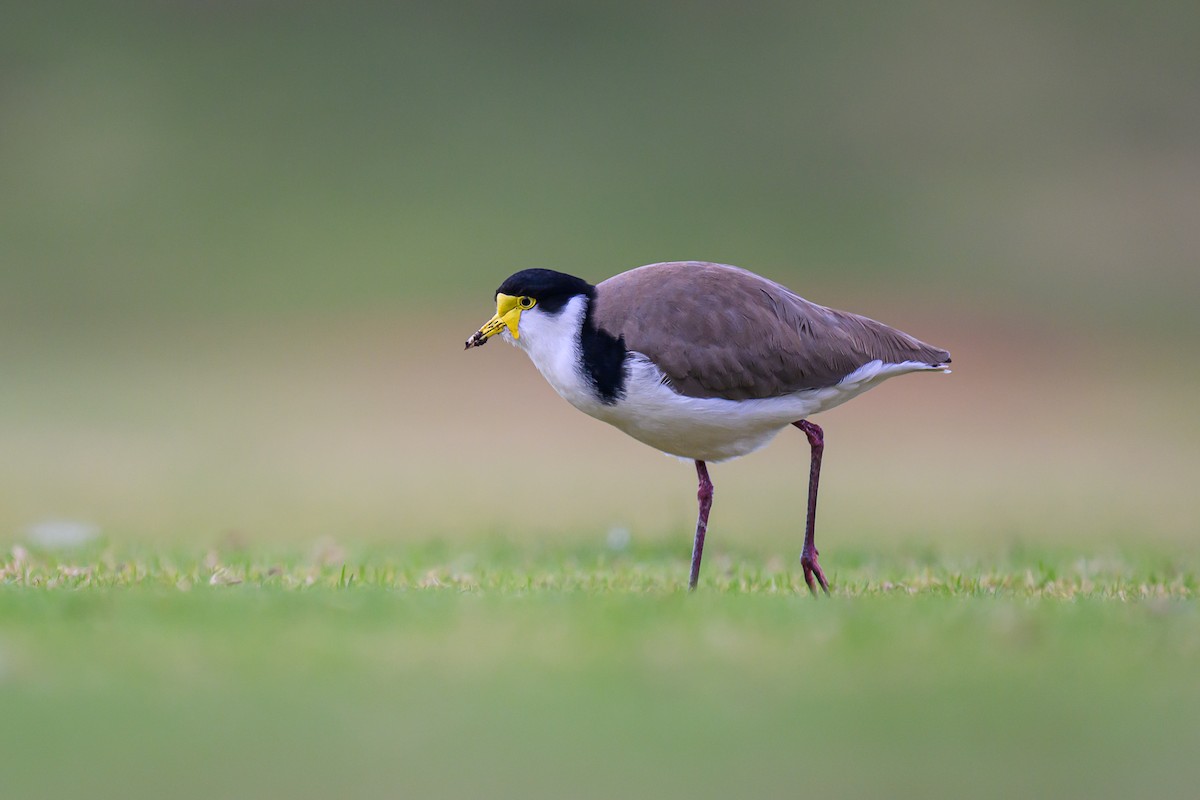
{"type": "Point", "coordinates": [721, 331]}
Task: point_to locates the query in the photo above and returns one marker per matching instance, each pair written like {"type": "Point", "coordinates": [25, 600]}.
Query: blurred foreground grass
{"type": "Point", "coordinates": [502, 671]}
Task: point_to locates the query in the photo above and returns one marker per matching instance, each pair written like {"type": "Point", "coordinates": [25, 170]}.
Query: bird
{"type": "Point", "coordinates": [703, 361]}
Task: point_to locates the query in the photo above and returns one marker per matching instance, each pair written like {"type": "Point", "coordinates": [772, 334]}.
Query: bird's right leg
{"type": "Point", "coordinates": [704, 496]}
{"type": "Point", "coordinates": [808, 555]}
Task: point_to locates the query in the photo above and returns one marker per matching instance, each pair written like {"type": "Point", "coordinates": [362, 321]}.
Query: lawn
{"type": "Point", "coordinates": [489, 668]}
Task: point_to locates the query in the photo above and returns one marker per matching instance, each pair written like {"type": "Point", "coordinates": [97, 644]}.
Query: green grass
{"type": "Point", "coordinates": [497, 567]}
{"type": "Point", "coordinates": [496, 670]}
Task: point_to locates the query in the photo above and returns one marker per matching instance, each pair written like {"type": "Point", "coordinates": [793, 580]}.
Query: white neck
{"type": "Point", "coordinates": [552, 342]}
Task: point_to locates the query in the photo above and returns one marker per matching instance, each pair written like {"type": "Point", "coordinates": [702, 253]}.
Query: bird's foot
{"type": "Point", "coordinates": [808, 560]}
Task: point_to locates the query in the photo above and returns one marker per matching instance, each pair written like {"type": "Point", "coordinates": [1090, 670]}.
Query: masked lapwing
{"type": "Point", "coordinates": [702, 361]}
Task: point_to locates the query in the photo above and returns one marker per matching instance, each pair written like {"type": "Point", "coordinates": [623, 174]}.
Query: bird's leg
{"type": "Point", "coordinates": [704, 496]}
{"type": "Point", "coordinates": [808, 556]}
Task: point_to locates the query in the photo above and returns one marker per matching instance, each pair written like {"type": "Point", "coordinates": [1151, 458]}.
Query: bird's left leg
{"type": "Point", "coordinates": [808, 556]}
{"type": "Point", "coordinates": [704, 497]}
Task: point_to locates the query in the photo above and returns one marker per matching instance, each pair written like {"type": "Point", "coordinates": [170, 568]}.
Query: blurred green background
{"type": "Point", "coordinates": [241, 244]}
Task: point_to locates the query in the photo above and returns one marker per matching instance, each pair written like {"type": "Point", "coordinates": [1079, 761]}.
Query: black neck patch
{"type": "Point", "coordinates": [603, 358]}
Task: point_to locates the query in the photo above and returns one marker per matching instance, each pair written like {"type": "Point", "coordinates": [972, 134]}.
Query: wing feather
{"type": "Point", "coordinates": [721, 331]}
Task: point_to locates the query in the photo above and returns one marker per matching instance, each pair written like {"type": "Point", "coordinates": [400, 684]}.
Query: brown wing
{"type": "Point", "coordinates": [720, 331]}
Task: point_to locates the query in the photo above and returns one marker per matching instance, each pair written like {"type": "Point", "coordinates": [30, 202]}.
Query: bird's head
{"type": "Point", "coordinates": [526, 297]}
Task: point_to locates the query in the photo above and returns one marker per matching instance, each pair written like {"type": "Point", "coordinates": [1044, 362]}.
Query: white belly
{"type": "Point", "coordinates": [713, 429]}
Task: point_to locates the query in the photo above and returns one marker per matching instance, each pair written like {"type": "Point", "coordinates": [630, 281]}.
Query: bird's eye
{"type": "Point", "coordinates": [526, 302]}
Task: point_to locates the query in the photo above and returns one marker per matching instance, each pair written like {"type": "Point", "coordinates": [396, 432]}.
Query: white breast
{"type": "Point", "coordinates": [552, 343]}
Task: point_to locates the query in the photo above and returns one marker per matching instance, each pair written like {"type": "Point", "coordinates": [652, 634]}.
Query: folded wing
{"type": "Point", "coordinates": [721, 331]}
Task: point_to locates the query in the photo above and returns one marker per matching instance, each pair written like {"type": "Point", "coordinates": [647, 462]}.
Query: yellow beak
{"type": "Point", "coordinates": [508, 315]}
